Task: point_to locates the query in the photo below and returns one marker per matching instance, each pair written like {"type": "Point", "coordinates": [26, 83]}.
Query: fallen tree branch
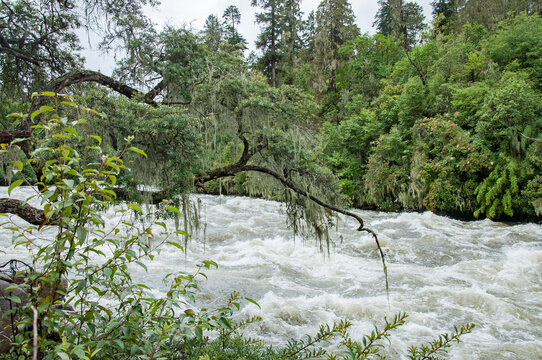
{"type": "Point", "coordinates": [242, 165]}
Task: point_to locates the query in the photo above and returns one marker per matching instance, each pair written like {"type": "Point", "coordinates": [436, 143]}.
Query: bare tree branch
{"type": "Point", "coordinates": [531, 138]}
{"type": "Point", "coordinates": [81, 76]}
{"type": "Point", "coordinates": [26, 212]}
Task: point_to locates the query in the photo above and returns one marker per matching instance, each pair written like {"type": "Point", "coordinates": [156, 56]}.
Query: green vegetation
{"type": "Point", "coordinates": [446, 131]}
{"type": "Point", "coordinates": [445, 117]}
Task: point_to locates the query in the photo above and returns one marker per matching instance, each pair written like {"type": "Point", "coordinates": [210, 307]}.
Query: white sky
{"type": "Point", "coordinates": [194, 13]}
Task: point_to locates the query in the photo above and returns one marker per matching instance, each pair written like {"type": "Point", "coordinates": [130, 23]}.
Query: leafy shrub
{"type": "Point", "coordinates": [97, 259]}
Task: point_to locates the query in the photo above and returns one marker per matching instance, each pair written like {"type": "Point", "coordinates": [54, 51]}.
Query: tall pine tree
{"type": "Point", "coordinates": [213, 33]}
{"type": "Point", "coordinates": [402, 20]}
{"type": "Point", "coordinates": [268, 40]}
{"type": "Point", "coordinates": [232, 18]}
{"type": "Point", "coordinates": [335, 25]}
{"type": "Point", "coordinates": [291, 42]}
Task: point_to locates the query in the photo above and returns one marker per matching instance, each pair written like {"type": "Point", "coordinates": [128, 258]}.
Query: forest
{"type": "Point", "coordinates": [441, 114]}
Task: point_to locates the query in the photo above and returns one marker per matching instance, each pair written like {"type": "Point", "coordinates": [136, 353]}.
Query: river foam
{"type": "Point", "coordinates": [442, 272]}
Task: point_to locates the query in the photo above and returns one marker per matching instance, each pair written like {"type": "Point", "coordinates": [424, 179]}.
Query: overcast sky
{"type": "Point", "coordinates": [194, 12]}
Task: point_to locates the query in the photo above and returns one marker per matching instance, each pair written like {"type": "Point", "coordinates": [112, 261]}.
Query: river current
{"type": "Point", "coordinates": [442, 272]}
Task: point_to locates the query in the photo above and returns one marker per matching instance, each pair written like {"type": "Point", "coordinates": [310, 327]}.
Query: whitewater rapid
{"type": "Point", "coordinates": [442, 272]}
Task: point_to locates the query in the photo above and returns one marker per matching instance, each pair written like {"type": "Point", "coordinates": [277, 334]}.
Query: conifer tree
{"type": "Point", "coordinates": [309, 32]}
{"type": "Point", "coordinates": [279, 39]}
{"type": "Point", "coordinates": [446, 12]}
{"type": "Point", "coordinates": [213, 33]}
{"type": "Point", "coordinates": [335, 26]}
{"type": "Point", "coordinates": [291, 42]}
{"type": "Point", "coordinates": [268, 40]}
{"type": "Point", "coordinates": [490, 12]}
{"type": "Point", "coordinates": [232, 18]}
{"type": "Point", "coordinates": [402, 20]}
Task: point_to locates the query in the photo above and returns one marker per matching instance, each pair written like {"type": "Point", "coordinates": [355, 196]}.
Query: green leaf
{"type": "Point", "coordinates": [176, 245]}
{"type": "Point", "coordinates": [135, 207]}
{"type": "Point", "coordinates": [174, 209]}
{"type": "Point", "coordinates": [37, 151]}
{"type": "Point", "coordinates": [225, 323]}
{"type": "Point", "coordinates": [15, 299]}
{"type": "Point", "coordinates": [190, 312]}
{"type": "Point", "coordinates": [71, 131]}
{"type": "Point", "coordinates": [209, 263]}
{"type": "Point", "coordinates": [254, 302]}
{"type": "Point", "coordinates": [18, 140]}
{"type": "Point", "coordinates": [142, 265]}
{"type": "Point", "coordinates": [198, 332]}
{"type": "Point", "coordinates": [69, 182]}
{"type": "Point", "coordinates": [81, 284]}
{"type": "Point", "coordinates": [80, 353]}
{"type": "Point", "coordinates": [136, 150]}
{"type": "Point", "coordinates": [119, 343]}
{"type": "Point", "coordinates": [66, 96]}
{"type": "Point", "coordinates": [97, 138]}
{"type": "Point", "coordinates": [81, 234]}
{"type": "Point", "coordinates": [41, 110]}
{"type": "Point", "coordinates": [182, 232]}
{"type": "Point", "coordinates": [18, 164]}
{"type": "Point", "coordinates": [48, 93]}
{"type": "Point", "coordinates": [13, 185]}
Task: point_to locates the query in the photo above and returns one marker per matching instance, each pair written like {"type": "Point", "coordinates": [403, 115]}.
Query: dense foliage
{"type": "Point", "coordinates": [447, 131]}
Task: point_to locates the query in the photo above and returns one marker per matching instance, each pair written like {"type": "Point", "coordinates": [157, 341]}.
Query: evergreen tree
{"type": "Point", "coordinates": [385, 19]}
{"type": "Point", "coordinates": [213, 33]}
{"type": "Point", "coordinates": [279, 39]}
{"type": "Point", "coordinates": [232, 18]}
{"type": "Point", "coordinates": [445, 11]}
{"type": "Point", "coordinates": [309, 32]}
{"type": "Point", "coordinates": [402, 20]}
{"type": "Point", "coordinates": [335, 25]}
{"type": "Point", "coordinates": [411, 23]}
{"type": "Point", "coordinates": [490, 12]}
{"type": "Point", "coordinates": [268, 40]}
{"type": "Point", "coordinates": [447, 8]}
{"type": "Point", "coordinates": [291, 40]}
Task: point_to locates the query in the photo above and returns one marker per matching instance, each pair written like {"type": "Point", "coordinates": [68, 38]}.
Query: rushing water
{"type": "Point", "coordinates": [442, 272]}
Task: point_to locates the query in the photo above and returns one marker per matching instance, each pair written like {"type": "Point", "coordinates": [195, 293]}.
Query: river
{"type": "Point", "coordinates": [442, 272]}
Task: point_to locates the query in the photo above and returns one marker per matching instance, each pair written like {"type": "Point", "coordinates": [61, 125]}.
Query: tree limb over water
{"type": "Point", "coordinates": [243, 164]}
